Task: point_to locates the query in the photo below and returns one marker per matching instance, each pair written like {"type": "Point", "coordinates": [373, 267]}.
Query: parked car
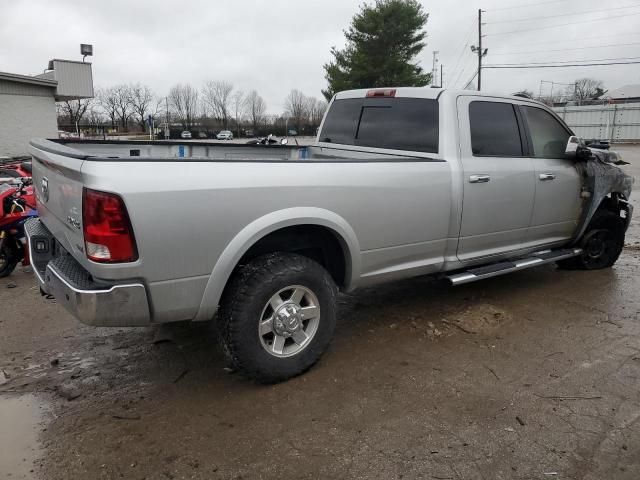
{"type": "Point", "coordinates": [202, 135]}
{"type": "Point", "coordinates": [292, 133]}
{"type": "Point", "coordinates": [249, 133]}
{"type": "Point", "coordinates": [225, 135]}
{"type": "Point", "coordinates": [459, 184]}
{"type": "Point", "coordinates": [185, 134]}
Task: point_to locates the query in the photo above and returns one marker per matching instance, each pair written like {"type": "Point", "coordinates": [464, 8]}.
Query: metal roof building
{"type": "Point", "coordinates": [28, 103]}
{"type": "Point", "coordinates": [626, 94]}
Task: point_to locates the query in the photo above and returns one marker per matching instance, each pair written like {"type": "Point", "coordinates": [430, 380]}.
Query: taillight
{"type": "Point", "coordinates": [108, 236]}
{"type": "Point", "coordinates": [382, 92]}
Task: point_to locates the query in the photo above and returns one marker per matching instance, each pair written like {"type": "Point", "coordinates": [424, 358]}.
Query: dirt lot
{"type": "Point", "coordinates": [529, 376]}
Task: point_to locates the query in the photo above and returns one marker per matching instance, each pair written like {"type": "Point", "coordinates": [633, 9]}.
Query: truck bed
{"type": "Point", "coordinates": [193, 215]}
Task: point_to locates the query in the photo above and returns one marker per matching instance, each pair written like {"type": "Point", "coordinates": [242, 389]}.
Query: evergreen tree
{"type": "Point", "coordinates": [382, 43]}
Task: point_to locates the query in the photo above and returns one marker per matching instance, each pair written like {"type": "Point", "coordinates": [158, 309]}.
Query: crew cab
{"type": "Point", "coordinates": [401, 182]}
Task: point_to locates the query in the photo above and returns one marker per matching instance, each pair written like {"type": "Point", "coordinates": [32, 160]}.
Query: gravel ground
{"type": "Point", "coordinates": [528, 376]}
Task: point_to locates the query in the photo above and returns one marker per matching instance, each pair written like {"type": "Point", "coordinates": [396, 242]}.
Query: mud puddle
{"type": "Point", "coordinates": [20, 419]}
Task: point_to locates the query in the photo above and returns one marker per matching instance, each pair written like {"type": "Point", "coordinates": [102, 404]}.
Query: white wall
{"type": "Point", "coordinates": [618, 122]}
{"type": "Point", "coordinates": [23, 118]}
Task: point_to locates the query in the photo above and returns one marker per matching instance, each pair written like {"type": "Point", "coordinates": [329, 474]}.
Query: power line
{"type": "Point", "coordinates": [561, 66]}
{"type": "Point", "coordinates": [471, 80]}
{"type": "Point", "coordinates": [524, 5]}
{"type": "Point", "coordinates": [462, 72]}
{"type": "Point", "coordinates": [573, 61]}
{"type": "Point", "coordinates": [586, 12]}
{"type": "Point", "coordinates": [563, 24]}
{"type": "Point", "coordinates": [464, 48]}
{"type": "Point", "coordinates": [590, 38]}
{"type": "Point", "coordinates": [566, 49]}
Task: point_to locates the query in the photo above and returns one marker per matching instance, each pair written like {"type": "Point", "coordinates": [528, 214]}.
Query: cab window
{"type": "Point", "coordinates": [548, 136]}
{"type": "Point", "coordinates": [494, 130]}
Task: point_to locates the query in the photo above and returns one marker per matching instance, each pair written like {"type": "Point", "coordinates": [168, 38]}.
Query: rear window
{"type": "Point", "coordinates": [392, 123]}
{"type": "Point", "coordinates": [342, 121]}
{"type": "Point", "coordinates": [494, 130]}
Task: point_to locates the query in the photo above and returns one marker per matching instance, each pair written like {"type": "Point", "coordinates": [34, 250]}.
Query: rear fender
{"type": "Point", "coordinates": [265, 225]}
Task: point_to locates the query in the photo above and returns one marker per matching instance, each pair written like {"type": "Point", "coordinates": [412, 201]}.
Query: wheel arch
{"type": "Point", "coordinates": [614, 201]}
{"type": "Point", "coordinates": [269, 224]}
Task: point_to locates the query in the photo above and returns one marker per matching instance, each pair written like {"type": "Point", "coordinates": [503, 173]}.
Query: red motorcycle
{"type": "Point", "coordinates": [13, 171]}
{"type": "Point", "coordinates": [18, 204]}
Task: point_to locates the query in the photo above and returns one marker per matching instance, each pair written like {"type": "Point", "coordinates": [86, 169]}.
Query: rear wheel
{"type": "Point", "coordinates": [277, 316]}
{"type": "Point", "coordinates": [602, 243]}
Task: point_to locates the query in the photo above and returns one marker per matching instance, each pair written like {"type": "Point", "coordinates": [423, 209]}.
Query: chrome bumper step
{"type": "Point", "coordinates": [493, 270]}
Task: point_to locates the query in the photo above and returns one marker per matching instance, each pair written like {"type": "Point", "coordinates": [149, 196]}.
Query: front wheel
{"type": "Point", "coordinates": [9, 258]}
{"type": "Point", "coordinates": [601, 244]}
{"type": "Point", "coordinates": [277, 316]}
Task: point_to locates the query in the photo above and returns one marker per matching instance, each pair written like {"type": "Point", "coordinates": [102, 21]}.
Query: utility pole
{"type": "Point", "coordinates": [167, 130]}
{"type": "Point", "coordinates": [441, 75]}
{"type": "Point", "coordinates": [479, 50]}
{"type": "Point", "coordinates": [434, 68]}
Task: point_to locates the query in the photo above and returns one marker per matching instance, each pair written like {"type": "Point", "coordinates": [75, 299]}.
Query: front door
{"type": "Point", "coordinates": [498, 179]}
{"type": "Point", "coordinates": [557, 201]}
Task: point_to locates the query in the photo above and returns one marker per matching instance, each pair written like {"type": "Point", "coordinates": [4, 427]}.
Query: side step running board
{"type": "Point", "coordinates": [500, 268]}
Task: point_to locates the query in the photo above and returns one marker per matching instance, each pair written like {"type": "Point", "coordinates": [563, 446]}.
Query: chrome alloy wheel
{"type": "Point", "coordinates": [289, 321]}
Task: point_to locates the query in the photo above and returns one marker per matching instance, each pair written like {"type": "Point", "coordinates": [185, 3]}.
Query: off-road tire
{"type": "Point", "coordinates": [608, 226]}
{"type": "Point", "coordinates": [9, 259]}
{"type": "Point", "coordinates": [248, 291]}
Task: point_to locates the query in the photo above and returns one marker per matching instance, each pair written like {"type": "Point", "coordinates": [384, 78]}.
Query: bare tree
{"type": "Point", "coordinates": [217, 98]}
{"type": "Point", "coordinates": [255, 107]}
{"type": "Point", "coordinates": [297, 108]}
{"type": "Point", "coordinates": [316, 111]}
{"type": "Point", "coordinates": [73, 110]}
{"type": "Point", "coordinates": [184, 100]}
{"type": "Point", "coordinates": [141, 103]}
{"type": "Point", "coordinates": [94, 116]}
{"type": "Point", "coordinates": [585, 89]}
{"type": "Point", "coordinates": [107, 100]}
{"type": "Point", "coordinates": [123, 104]}
{"type": "Point", "coordinates": [237, 101]}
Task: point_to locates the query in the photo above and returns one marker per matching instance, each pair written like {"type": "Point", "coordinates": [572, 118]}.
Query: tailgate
{"type": "Point", "coordinates": [57, 181]}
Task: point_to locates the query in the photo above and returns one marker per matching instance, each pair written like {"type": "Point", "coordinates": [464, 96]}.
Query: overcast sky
{"type": "Point", "coordinates": [282, 44]}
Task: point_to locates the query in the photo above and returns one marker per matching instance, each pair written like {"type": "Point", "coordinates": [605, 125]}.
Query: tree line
{"type": "Point", "coordinates": [216, 105]}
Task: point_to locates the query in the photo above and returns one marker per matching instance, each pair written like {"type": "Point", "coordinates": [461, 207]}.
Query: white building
{"type": "Point", "coordinates": [28, 103]}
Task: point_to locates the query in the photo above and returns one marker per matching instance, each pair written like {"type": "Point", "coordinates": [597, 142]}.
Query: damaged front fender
{"type": "Point", "coordinates": [603, 181]}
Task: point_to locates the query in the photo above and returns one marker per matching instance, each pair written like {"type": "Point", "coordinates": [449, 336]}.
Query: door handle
{"type": "Point", "coordinates": [546, 176]}
{"type": "Point", "coordinates": [479, 178]}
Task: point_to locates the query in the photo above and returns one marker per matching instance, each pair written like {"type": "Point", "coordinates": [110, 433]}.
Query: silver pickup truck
{"type": "Point", "coordinates": [400, 182]}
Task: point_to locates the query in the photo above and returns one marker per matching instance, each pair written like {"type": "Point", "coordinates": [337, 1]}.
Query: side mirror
{"type": "Point", "coordinates": [284, 141]}
{"type": "Point", "coordinates": [577, 149]}
{"type": "Point", "coordinates": [572, 147]}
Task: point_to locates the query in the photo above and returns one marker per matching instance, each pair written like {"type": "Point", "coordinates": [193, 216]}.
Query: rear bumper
{"type": "Point", "coordinates": [93, 303]}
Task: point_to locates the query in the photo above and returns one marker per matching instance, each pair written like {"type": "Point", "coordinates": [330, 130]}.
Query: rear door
{"type": "Point", "coordinates": [557, 199]}
{"type": "Point", "coordinates": [498, 178]}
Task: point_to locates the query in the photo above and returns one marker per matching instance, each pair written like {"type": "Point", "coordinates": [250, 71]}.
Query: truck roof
{"type": "Point", "coordinates": [421, 92]}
